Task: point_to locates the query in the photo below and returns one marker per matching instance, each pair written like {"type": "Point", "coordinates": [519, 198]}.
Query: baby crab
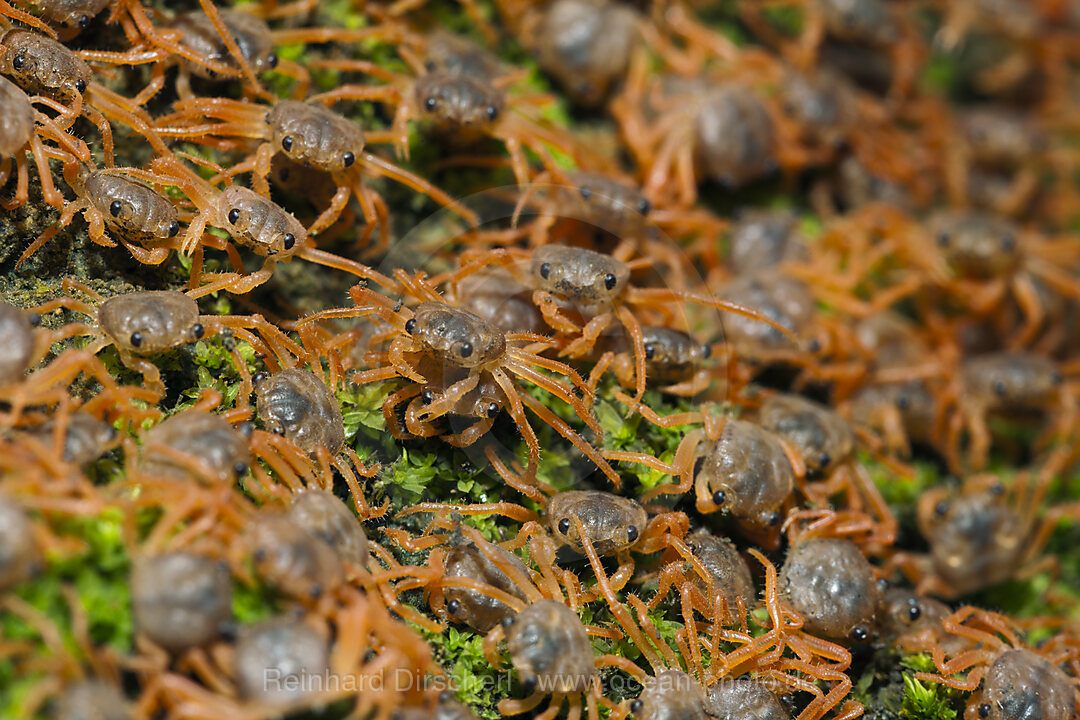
{"type": "Point", "coordinates": [1001, 383]}
{"type": "Point", "coordinates": [763, 239]}
{"type": "Point", "coordinates": [826, 444]}
{"type": "Point", "coordinates": [551, 652]}
{"type": "Point", "coordinates": [572, 284]}
{"type": "Point", "coordinates": [464, 605]}
{"type": "Point", "coordinates": [682, 130]}
{"type": "Point", "coordinates": [293, 560]}
{"type": "Point", "coordinates": [670, 695]}
{"type": "Point", "coordinates": [142, 324]}
{"type": "Point", "coordinates": [307, 133]}
{"type": "Point", "coordinates": [441, 347]}
{"type": "Point", "coordinates": [283, 648]}
{"type": "Point", "coordinates": [113, 201]}
{"type": "Point", "coordinates": [787, 302]}
{"type": "Point", "coordinates": [866, 25]}
{"type": "Point", "coordinates": [207, 54]}
{"type": "Point", "coordinates": [325, 516]}
{"type": "Point", "coordinates": [198, 445]}
{"type": "Point", "coordinates": [993, 160]}
{"type": "Point", "coordinates": [983, 534]}
{"type": "Point", "coordinates": [297, 404]}
{"type": "Point", "coordinates": [252, 221]}
{"type": "Point", "coordinates": [832, 586]}
{"type": "Point", "coordinates": [61, 80]}
{"type": "Point", "coordinates": [743, 697]}
{"type": "Point", "coordinates": [584, 44]}
{"type": "Point", "coordinates": [1007, 679]}
{"type": "Point", "coordinates": [993, 260]}
{"type": "Point", "coordinates": [732, 465]}
{"type": "Point", "coordinates": [180, 600]}
{"type": "Point", "coordinates": [613, 523]}
{"type": "Point", "coordinates": [671, 356]}
{"type": "Point", "coordinates": [80, 437]}
{"type": "Point", "coordinates": [23, 128]}
{"type": "Point", "coordinates": [712, 574]}
{"type": "Point", "coordinates": [464, 99]}
{"type": "Point", "coordinates": [20, 556]}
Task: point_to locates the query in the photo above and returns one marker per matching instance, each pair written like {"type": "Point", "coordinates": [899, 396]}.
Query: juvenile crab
{"type": "Point", "coordinates": [826, 444]}
{"type": "Point", "coordinates": [450, 353]}
{"type": "Point", "coordinates": [1001, 383]}
{"type": "Point", "coordinates": [252, 221]}
{"type": "Point", "coordinates": [1007, 679]}
{"type": "Point", "coordinates": [307, 133]}
{"type": "Point", "coordinates": [142, 324]}
{"type": "Point", "coordinates": [113, 201]}
{"type": "Point", "coordinates": [581, 293]}
{"type": "Point", "coordinates": [464, 98]}
{"type": "Point", "coordinates": [983, 534]}
{"type": "Point", "coordinates": [993, 260]}
{"type": "Point", "coordinates": [23, 128]}
{"type": "Point", "coordinates": [828, 581]}
{"type": "Point", "coordinates": [180, 600]}
{"type": "Point", "coordinates": [732, 465]}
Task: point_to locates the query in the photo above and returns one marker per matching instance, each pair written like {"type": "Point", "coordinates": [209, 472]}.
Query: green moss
{"type": "Point", "coordinates": [929, 701]}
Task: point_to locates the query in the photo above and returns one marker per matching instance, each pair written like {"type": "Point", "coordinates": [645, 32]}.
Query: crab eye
{"type": "Point", "coordinates": [631, 533]}
{"type": "Point", "coordinates": [508, 621]}
{"type": "Point", "coordinates": [80, 85]}
{"type": "Point", "coordinates": [824, 459]}
{"type": "Point", "coordinates": [234, 215]}
{"type": "Point", "coordinates": [272, 60]}
{"type": "Point", "coordinates": [610, 280]}
{"type": "Point", "coordinates": [348, 158]}
{"type": "Point", "coordinates": [174, 227]}
{"type": "Point", "coordinates": [706, 351]}
{"type": "Point", "coordinates": [240, 468]}
{"type": "Point", "coordinates": [719, 497]}
{"type": "Point", "coordinates": [564, 525]}
{"type": "Point", "coordinates": [452, 606]}
{"type": "Point", "coordinates": [115, 207]}
{"type": "Point", "coordinates": [772, 519]}
{"type": "Point", "coordinates": [427, 397]}
{"type": "Point", "coordinates": [136, 339]}
{"type": "Point", "coordinates": [18, 61]}
{"type": "Point", "coordinates": [650, 350]}
{"type": "Point", "coordinates": [430, 104]}
{"type": "Point", "coordinates": [984, 710]}
{"type": "Point", "coordinates": [914, 613]}
{"type": "Point", "coordinates": [410, 325]}
{"type": "Point", "coordinates": [941, 508]}
{"type": "Point", "coordinates": [197, 330]}
{"type": "Point", "coordinates": [492, 112]}
{"type": "Point", "coordinates": [286, 143]}
{"type": "Point", "coordinates": [289, 241]}
{"type": "Point", "coordinates": [492, 410]}
{"type": "Point", "coordinates": [644, 206]}
{"type": "Point", "coordinates": [466, 349]}
{"type": "Point", "coordinates": [860, 634]}
{"type": "Point", "coordinates": [586, 192]}
{"type": "Point", "coordinates": [635, 707]}
{"type": "Point", "coordinates": [84, 20]}
{"type": "Point", "coordinates": [545, 270]}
